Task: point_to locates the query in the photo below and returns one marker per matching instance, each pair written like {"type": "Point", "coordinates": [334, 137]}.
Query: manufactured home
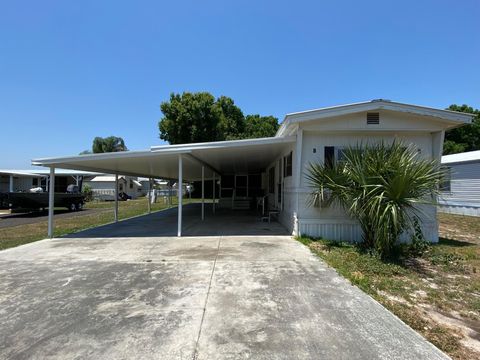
{"type": "Point", "coordinates": [268, 173]}
{"type": "Point", "coordinates": [461, 190]}
{"type": "Point", "coordinates": [103, 187]}
{"type": "Point", "coordinates": [23, 180]}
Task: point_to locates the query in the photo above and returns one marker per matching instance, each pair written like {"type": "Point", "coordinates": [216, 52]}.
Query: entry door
{"type": "Point", "coordinates": [241, 186]}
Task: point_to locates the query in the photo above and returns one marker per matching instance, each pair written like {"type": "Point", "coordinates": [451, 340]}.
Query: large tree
{"type": "Point", "coordinates": [189, 117]}
{"type": "Point", "coordinates": [231, 122]}
{"type": "Point", "coordinates": [464, 138]}
{"type": "Point", "coordinates": [257, 126]}
{"type": "Point", "coordinates": [108, 144]}
{"type": "Point", "coordinates": [199, 117]}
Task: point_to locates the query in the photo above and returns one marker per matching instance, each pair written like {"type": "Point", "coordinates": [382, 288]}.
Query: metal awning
{"type": "Point", "coordinates": [221, 157]}
{"type": "Point", "coordinates": [183, 162]}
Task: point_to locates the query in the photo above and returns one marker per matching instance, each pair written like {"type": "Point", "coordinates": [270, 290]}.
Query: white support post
{"type": "Point", "coordinates": [11, 184]}
{"type": "Point", "coordinates": [213, 205]}
{"type": "Point", "coordinates": [203, 192]}
{"type": "Point", "coordinates": [77, 180]}
{"type": "Point", "coordinates": [149, 196]}
{"type": "Point", "coordinates": [51, 202]}
{"type": "Point", "coordinates": [115, 210]}
{"type": "Point", "coordinates": [180, 194]}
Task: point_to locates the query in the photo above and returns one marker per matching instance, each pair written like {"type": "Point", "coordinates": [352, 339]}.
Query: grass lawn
{"type": "Point", "coordinates": [22, 234]}
{"type": "Point", "coordinates": [437, 294]}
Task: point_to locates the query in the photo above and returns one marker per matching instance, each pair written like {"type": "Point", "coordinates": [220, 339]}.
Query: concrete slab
{"type": "Point", "coordinates": [164, 223]}
{"type": "Point", "coordinates": [213, 297]}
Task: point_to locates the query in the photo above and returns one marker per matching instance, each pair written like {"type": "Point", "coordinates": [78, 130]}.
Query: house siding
{"type": "Point", "coordinates": [333, 223]}
{"type": "Point", "coordinates": [464, 195]}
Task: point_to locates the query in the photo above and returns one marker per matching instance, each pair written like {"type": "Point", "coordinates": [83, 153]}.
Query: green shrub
{"type": "Point", "coordinates": [87, 192]}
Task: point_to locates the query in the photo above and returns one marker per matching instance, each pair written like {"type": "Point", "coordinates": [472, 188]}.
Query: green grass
{"type": "Point", "coordinates": [23, 234]}
{"type": "Point", "coordinates": [444, 281]}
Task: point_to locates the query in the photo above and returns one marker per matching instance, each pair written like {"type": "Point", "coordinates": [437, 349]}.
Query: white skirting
{"type": "Point", "coordinates": [341, 230]}
{"type": "Point", "coordinates": [460, 209]}
{"type": "Point", "coordinates": [350, 231]}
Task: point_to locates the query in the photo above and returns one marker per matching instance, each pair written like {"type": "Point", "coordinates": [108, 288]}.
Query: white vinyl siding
{"type": "Point", "coordinates": [464, 184]}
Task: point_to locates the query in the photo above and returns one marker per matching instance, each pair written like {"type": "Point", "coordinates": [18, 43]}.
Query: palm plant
{"type": "Point", "coordinates": [382, 186]}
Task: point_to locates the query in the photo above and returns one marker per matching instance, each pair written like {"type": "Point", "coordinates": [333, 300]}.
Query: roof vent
{"type": "Point", "coordinates": [381, 100]}
{"type": "Point", "coordinates": [373, 118]}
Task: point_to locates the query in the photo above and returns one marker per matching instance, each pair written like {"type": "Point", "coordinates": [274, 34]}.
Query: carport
{"type": "Point", "coordinates": [186, 162]}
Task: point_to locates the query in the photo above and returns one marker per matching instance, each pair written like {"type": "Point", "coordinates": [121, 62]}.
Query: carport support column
{"type": "Point", "coordinates": [203, 192]}
{"type": "Point", "coordinates": [51, 201]}
{"type": "Point", "coordinates": [115, 211]}
{"type": "Point", "coordinates": [180, 194]}
{"type": "Point", "coordinates": [213, 205]}
{"type": "Point", "coordinates": [150, 195]}
{"type": "Point", "coordinates": [11, 184]}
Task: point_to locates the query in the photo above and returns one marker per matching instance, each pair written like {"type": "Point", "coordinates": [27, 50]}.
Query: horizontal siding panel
{"type": "Point", "coordinates": [465, 171]}
{"type": "Point", "coordinates": [465, 191]}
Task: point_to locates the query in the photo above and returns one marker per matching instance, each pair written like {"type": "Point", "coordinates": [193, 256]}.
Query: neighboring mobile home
{"type": "Point", "coordinates": [461, 191]}
{"type": "Point", "coordinates": [271, 170]}
{"type": "Point", "coordinates": [24, 180]}
{"type": "Point", "coordinates": [103, 186]}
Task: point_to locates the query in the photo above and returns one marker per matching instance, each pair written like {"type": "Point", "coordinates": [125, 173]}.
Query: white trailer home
{"type": "Point", "coordinates": [461, 191]}
{"type": "Point", "coordinates": [270, 171]}
{"type": "Point", "coordinates": [23, 180]}
{"type": "Point", "coordinates": [103, 187]}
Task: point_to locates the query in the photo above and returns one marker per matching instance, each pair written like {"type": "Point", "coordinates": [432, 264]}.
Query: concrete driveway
{"type": "Point", "coordinates": [216, 297]}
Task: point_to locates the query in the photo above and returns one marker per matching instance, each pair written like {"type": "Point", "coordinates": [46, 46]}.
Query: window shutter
{"type": "Point", "coordinates": [329, 156]}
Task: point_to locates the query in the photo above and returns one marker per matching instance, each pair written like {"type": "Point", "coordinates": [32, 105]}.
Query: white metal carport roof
{"type": "Point", "coordinates": [162, 161]}
{"type": "Point", "coordinates": [186, 161]}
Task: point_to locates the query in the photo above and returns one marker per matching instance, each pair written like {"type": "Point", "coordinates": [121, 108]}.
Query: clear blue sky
{"type": "Point", "coordinates": [70, 71]}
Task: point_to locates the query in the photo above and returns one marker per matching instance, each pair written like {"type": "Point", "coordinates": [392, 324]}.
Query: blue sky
{"type": "Point", "coordinates": [70, 71]}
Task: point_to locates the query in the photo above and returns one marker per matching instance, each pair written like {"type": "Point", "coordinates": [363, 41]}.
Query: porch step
{"type": "Point", "coordinates": [241, 205]}
{"type": "Point", "coordinates": [238, 204]}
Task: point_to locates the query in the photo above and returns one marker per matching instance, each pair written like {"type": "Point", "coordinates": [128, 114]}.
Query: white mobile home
{"type": "Point", "coordinates": [271, 170]}
{"type": "Point", "coordinates": [461, 191]}
{"type": "Point", "coordinates": [103, 186]}
{"type": "Point", "coordinates": [24, 180]}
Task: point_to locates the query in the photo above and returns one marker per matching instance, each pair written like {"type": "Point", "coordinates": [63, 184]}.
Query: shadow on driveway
{"type": "Point", "coordinates": [164, 223]}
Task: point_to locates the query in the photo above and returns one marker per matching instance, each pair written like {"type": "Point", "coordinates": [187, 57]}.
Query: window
{"type": "Point", "coordinates": [34, 182]}
{"type": "Point", "coordinates": [446, 185]}
{"type": "Point", "coordinates": [340, 154]}
{"type": "Point", "coordinates": [271, 180]}
{"type": "Point", "coordinates": [287, 165]}
{"type": "Point", "coordinates": [334, 154]}
{"type": "Point", "coordinates": [131, 184]}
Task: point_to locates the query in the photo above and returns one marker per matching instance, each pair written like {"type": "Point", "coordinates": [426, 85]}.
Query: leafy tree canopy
{"type": "Point", "coordinates": [257, 126]}
{"type": "Point", "coordinates": [199, 117]}
{"type": "Point", "coordinates": [464, 138]}
{"type": "Point", "coordinates": [108, 144]}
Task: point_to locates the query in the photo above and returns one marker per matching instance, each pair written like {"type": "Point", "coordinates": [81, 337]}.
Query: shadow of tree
{"type": "Point", "coordinates": [453, 242]}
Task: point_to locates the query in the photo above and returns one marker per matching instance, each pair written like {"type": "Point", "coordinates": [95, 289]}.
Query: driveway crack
{"type": "Point", "coordinates": [195, 353]}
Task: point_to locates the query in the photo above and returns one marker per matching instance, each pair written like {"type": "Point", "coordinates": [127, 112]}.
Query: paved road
{"type": "Point", "coordinates": [8, 220]}
{"type": "Point", "coordinates": [212, 297]}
